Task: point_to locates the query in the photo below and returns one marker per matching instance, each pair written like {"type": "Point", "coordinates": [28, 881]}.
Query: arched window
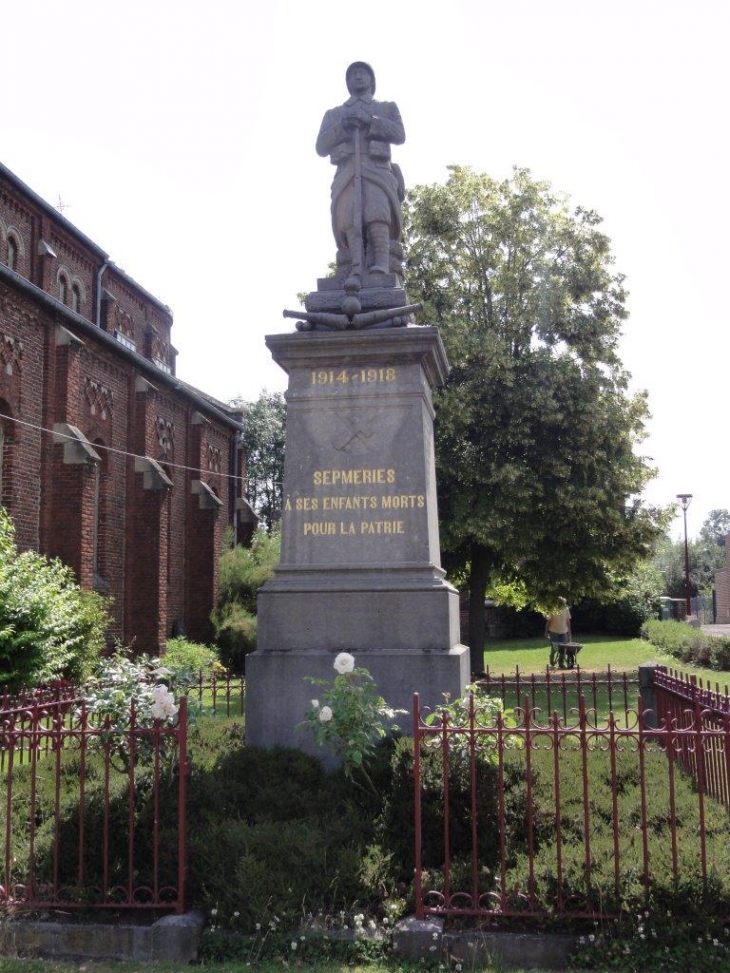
{"type": "Point", "coordinates": [100, 518]}
{"type": "Point", "coordinates": [76, 298]}
{"type": "Point", "coordinates": [63, 288]}
{"type": "Point", "coordinates": [6, 455]}
{"type": "Point", "coordinates": [12, 253]}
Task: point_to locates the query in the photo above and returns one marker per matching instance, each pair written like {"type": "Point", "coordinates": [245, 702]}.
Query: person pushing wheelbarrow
{"type": "Point", "coordinates": [558, 631]}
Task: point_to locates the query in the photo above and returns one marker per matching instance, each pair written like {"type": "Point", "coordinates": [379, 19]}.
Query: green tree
{"type": "Point", "coordinates": [716, 527]}
{"type": "Point", "coordinates": [706, 557]}
{"type": "Point", "coordinates": [536, 431]}
{"type": "Point", "coordinates": [263, 439]}
{"type": "Point", "coordinates": [49, 627]}
{"type": "Point", "coordinates": [243, 570]}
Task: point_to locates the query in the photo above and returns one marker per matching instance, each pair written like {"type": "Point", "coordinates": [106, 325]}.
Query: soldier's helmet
{"type": "Point", "coordinates": [359, 64]}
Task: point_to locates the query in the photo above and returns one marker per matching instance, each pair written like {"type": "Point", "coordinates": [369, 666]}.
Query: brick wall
{"type": "Point", "coordinates": [138, 504]}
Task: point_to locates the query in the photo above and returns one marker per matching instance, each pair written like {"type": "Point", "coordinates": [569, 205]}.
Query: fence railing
{"type": "Point", "coordinates": [91, 814]}
{"type": "Point", "coordinates": [219, 692]}
{"type": "Point", "coordinates": [536, 814]}
{"type": "Point", "coordinates": [683, 704]}
{"type": "Point", "coordinates": [548, 691]}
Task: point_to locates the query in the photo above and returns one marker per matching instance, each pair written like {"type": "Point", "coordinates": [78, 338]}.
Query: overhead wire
{"type": "Point", "coordinates": [122, 452]}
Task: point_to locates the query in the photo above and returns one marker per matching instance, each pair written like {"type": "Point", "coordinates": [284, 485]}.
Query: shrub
{"type": "Point", "coordinates": [350, 717]}
{"type": "Point", "coordinates": [689, 645]}
{"type": "Point", "coordinates": [181, 655]}
{"type": "Point", "coordinates": [243, 571]}
{"type": "Point", "coordinates": [636, 601]}
{"type": "Point", "coordinates": [153, 688]}
{"type": "Point", "coordinates": [236, 633]}
{"type": "Point", "coordinates": [49, 627]}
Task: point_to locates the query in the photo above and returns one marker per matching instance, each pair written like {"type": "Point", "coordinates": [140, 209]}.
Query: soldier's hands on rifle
{"type": "Point", "coordinates": [356, 119]}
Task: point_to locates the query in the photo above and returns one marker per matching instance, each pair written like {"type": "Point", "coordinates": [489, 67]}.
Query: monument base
{"type": "Point", "coordinates": [283, 693]}
{"type": "Point", "coordinates": [360, 563]}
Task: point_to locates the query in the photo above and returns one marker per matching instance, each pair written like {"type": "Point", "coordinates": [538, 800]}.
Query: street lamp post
{"type": "Point", "coordinates": [684, 501]}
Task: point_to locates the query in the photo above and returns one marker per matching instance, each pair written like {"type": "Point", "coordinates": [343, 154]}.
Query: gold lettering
{"type": "Point", "coordinates": [382, 527]}
{"type": "Point", "coordinates": [354, 477]}
{"type": "Point", "coordinates": [325, 528]}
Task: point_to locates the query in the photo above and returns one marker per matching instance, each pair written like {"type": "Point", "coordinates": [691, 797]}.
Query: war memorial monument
{"type": "Point", "coordinates": [360, 567]}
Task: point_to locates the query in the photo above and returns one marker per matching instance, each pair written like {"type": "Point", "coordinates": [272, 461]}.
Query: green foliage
{"type": "Point", "coordinates": [536, 432]}
{"type": "Point", "coordinates": [243, 571]}
{"type": "Point", "coordinates": [706, 557]}
{"type": "Point", "coordinates": [182, 655]}
{"type": "Point", "coordinates": [689, 645]}
{"type": "Point", "coordinates": [657, 941]}
{"type": "Point", "coordinates": [636, 601]}
{"type": "Point", "coordinates": [716, 526]}
{"type": "Point", "coordinates": [263, 440]}
{"type": "Point", "coordinates": [484, 710]}
{"type": "Point", "coordinates": [273, 835]}
{"type": "Point", "coordinates": [351, 717]}
{"type": "Point", "coordinates": [120, 683]}
{"type": "Point", "coordinates": [49, 627]}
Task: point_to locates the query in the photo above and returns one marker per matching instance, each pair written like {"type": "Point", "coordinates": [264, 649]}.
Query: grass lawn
{"type": "Point", "coordinates": [599, 651]}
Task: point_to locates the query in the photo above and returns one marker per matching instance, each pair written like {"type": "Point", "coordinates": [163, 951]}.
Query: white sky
{"type": "Point", "coordinates": [180, 137]}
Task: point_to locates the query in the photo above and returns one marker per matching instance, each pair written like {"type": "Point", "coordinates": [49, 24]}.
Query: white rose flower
{"type": "Point", "coordinates": [164, 703]}
{"type": "Point", "coordinates": [344, 663]}
{"type": "Point", "coordinates": [325, 714]}
{"type": "Point", "coordinates": [315, 704]}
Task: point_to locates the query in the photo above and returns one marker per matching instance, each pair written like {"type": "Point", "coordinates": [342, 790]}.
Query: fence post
{"type": "Point", "coordinates": [647, 693]}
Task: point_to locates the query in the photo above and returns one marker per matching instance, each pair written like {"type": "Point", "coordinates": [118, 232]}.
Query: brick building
{"type": "Point", "coordinates": [107, 460]}
{"type": "Point", "coordinates": [722, 588]}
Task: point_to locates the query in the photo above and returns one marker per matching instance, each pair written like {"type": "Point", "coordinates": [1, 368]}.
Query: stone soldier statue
{"type": "Point", "coordinates": [367, 190]}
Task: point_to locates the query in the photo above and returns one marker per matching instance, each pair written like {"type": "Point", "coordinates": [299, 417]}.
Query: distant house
{"type": "Point", "coordinates": [107, 460]}
{"type": "Point", "coordinates": [722, 589]}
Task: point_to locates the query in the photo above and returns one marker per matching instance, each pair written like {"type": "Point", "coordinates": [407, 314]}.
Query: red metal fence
{"type": "Point", "coordinates": [219, 692]}
{"type": "Point", "coordinates": [93, 814]}
{"type": "Point", "coordinates": [548, 691]}
{"type": "Point", "coordinates": [565, 814]}
{"type": "Point", "coordinates": [684, 707]}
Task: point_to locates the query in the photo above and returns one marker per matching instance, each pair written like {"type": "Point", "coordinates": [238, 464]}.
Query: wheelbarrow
{"type": "Point", "coordinates": [564, 654]}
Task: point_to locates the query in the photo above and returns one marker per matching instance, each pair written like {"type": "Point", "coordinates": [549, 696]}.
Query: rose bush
{"type": "Point", "coordinates": [352, 716]}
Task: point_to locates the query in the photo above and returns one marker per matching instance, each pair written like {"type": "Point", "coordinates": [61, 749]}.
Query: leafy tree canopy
{"type": "Point", "coordinates": [536, 432]}
{"type": "Point", "coordinates": [716, 527]}
{"type": "Point", "coordinates": [263, 439]}
{"type": "Point", "coordinates": [706, 555]}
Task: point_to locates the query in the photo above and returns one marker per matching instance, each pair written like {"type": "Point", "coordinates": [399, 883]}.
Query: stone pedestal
{"type": "Point", "coordinates": [360, 569]}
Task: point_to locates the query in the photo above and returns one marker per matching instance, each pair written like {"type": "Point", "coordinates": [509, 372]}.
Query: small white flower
{"type": "Point", "coordinates": [325, 714]}
{"type": "Point", "coordinates": [344, 663]}
{"type": "Point", "coordinates": [236, 915]}
{"type": "Point", "coordinates": [258, 926]}
{"type": "Point", "coordinates": [434, 935]}
{"type": "Point", "coordinates": [315, 704]}
{"type": "Point", "coordinates": [214, 912]}
{"type": "Point", "coordinates": [294, 944]}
